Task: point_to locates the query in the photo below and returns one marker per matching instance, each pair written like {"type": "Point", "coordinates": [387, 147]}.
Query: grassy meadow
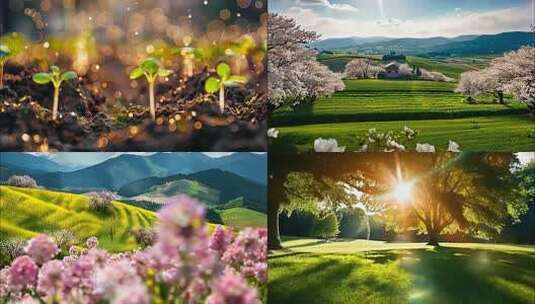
{"type": "Point", "coordinates": [432, 108]}
{"type": "Point", "coordinates": [243, 217]}
{"type": "Point", "coordinates": [359, 271]}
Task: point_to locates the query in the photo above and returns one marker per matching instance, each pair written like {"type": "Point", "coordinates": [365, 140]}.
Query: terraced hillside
{"type": "Point", "coordinates": [27, 212]}
{"type": "Point", "coordinates": [433, 108]}
{"type": "Point", "coordinates": [160, 193]}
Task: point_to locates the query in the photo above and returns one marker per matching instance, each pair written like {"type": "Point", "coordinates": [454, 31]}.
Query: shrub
{"type": "Point", "coordinates": [101, 201]}
{"type": "Point", "coordinates": [145, 237]}
{"type": "Point", "coordinates": [63, 238]}
{"type": "Point", "coordinates": [22, 181]}
{"type": "Point", "coordinates": [326, 227]}
{"type": "Point", "coordinates": [11, 249]}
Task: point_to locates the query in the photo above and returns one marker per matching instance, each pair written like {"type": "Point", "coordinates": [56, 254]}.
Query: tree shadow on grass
{"type": "Point", "coordinates": [448, 275]}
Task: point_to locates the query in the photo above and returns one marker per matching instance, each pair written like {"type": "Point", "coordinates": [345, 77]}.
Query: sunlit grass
{"type": "Point", "coordinates": [359, 271]}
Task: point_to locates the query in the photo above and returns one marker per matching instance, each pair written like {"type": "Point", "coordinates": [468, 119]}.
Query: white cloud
{"type": "Point", "coordinates": [489, 22]}
{"type": "Point", "coordinates": [327, 4]}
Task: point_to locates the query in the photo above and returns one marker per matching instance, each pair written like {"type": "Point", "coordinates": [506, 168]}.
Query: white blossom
{"type": "Point", "coordinates": [425, 148]}
{"type": "Point", "coordinates": [327, 145]}
{"type": "Point", "coordinates": [453, 147]}
{"type": "Point", "coordinates": [273, 133]}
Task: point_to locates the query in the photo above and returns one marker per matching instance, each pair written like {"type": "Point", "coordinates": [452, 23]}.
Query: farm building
{"type": "Point", "coordinates": [392, 70]}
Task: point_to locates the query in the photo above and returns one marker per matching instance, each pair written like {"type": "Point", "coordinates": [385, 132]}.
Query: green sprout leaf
{"type": "Point", "coordinates": [55, 69]}
{"type": "Point", "coordinates": [42, 78]}
{"type": "Point", "coordinates": [212, 85]}
{"type": "Point", "coordinates": [164, 72]}
{"type": "Point", "coordinates": [4, 51]}
{"type": "Point", "coordinates": [150, 66]}
{"type": "Point", "coordinates": [136, 73]}
{"type": "Point", "coordinates": [68, 76]}
{"type": "Point", "coordinates": [235, 80]}
{"type": "Point", "coordinates": [223, 70]}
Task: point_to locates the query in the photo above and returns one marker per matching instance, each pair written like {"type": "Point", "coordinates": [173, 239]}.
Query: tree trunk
{"type": "Point", "coordinates": [274, 240]}
{"type": "Point", "coordinates": [152, 105]}
{"type": "Point", "coordinates": [55, 105]}
{"type": "Point", "coordinates": [433, 238]}
{"type": "Point", "coordinates": [1, 73]}
{"type": "Point", "coordinates": [500, 96]}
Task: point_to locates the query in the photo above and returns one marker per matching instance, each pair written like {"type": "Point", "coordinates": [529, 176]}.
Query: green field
{"type": "Point", "coordinates": [160, 193]}
{"type": "Point", "coordinates": [27, 212]}
{"type": "Point", "coordinates": [337, 62]}
{"type": "Point", "coordinates": [243, 217]}
{"type": "Point", "coordinates": [430, 107]}
{"type": "Point", "coordinates": [315, 271]}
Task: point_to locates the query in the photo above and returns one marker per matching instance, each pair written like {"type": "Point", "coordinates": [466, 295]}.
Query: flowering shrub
{"type": "Point", "coordinates": [11, 249]}
{"type": "Point", "coordinates": [144, 236]}
{"type": "Point", "coordinates": [101, 201]}
{"type": "Point", "coordinates": [22, 181]}
{"type": "Point", "coordinates": [185, 265]}
{"type": "Point", "coordinates": [64, 238]}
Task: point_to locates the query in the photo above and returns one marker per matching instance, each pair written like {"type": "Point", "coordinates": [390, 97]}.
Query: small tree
{"type": "Point", "coordinates": [359, 68]}
{"type": "Point", "coordinates": [25, 181]}
{"type": "Point", "coordinates": [470, 85]}
{"type": "Point", "coordinates": [225, 79]}
{"type": "Point", "coordinates": [101, 201]}
{"type": "Point", "coordinates": [151, 69]}
{"type": "Point", "coordinates": [56, 77]}
{"type": "Point", "coordinates": [326, 227]}
{"type": "Point", "coordinates": [5, 54]}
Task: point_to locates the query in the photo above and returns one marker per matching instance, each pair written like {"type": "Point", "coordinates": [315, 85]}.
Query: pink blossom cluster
{"type": "Point", "coordinates": [186, 263]}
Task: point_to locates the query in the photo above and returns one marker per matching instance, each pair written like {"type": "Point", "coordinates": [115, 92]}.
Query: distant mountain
{"type": "Point", "coordinates": [118, 171]}
{"type": "Point", "coordinates": [216, 187]}
{"type": "Point", "coordinates": [30, 163]}
{"type": "Point", "coordinates": [343, 43]}
{"type": "Point", "coordinates": [461, 45]}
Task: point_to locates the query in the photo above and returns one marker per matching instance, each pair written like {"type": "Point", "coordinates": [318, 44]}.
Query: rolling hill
{"type": "Point", "coordinates": [461, 45]}
{"type": "Point", "coordinates": [243, 217]}
{"type": "Point", "coordinates": [27, 212]}
{"type": "Point", "coordinates": [214, 187]}
{"type": "Point", "coordinates": [116, 172]}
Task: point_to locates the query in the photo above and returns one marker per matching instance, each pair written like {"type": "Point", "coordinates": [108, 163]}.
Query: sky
{"type": "Point", "coordinates": [78, 160]}
{"type": "Point", "coordinates": [408, 18]}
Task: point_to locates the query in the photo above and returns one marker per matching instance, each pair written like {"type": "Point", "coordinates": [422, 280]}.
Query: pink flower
{"type": "Point", "coordinates": [23, 273]}
{"type": "Point", "coordinates": [181, 215]}
{"type": "Point", "coordinates": [109, 277]}
{"type": "Point", "coordinates": [4, 282]}
{"type": "Point", "coordinates": [50, 279]}
{"type": "Point", "coordinates": [232, 289]}
{"type": "Point", "coordinates": [91, 242]}
{"type": "Point", "coordinates": [221, 239]}
{"type": "Point", "coordinates": [248, 249]}
{"type": "Point", "coordinates": [132, 294]}
{"type": "Point", "coordinates": [41, 249]}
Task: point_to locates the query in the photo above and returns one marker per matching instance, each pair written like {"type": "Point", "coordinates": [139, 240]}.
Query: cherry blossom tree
{"type": "Point", "coordinates": [294, 73]}
{"type": "Point", "coordinates": [470, 85]}
{"type": "Point", "coordinates": [359, 68]}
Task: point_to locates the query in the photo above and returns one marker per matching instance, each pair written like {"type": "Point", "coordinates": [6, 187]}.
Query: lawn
{"type": "Point", "coordinates": [481, 133]}
{"type": "Point", "coordinates": [431, 107]}
{"type": "Point", "coordinates": [242, 217]}
{"type": "Point", "coordinates": [314, 271]}
{"type": "Point", "coordinates": [27, 212]}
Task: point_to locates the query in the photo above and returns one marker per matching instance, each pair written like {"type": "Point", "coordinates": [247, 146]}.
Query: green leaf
{"type": "Point", "coordinates": [55, 69]}
{"type": "Point", "coordinates": [136, 73]}
{"type": "Point", "coordinates": [4, 51]}
{"type": "Point", "coordinates": [235, 80]}
{"type": "Point", "coordinates": [68, 76]}
{"type": "Point", "coordinates": [223, 70]}
{"type": "Point", "coordinates": [42, 78]}
{"type": "Point", "coordinates": [212, 85]}
{"type": "Point", "coordinates": [150, 66]}
{"type": "Point", "coordinates": [164, 72]}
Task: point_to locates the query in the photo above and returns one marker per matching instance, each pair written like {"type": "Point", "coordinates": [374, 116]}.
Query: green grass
{"type": "Point", "coordinates": [160, 193]}
{"type": "Point", "coordinates": [313, 271]}
{"type": "Point", "coordinates": [243, 217]}
{"type": "Point", "coordinates": [488, 133]}
{"type": "Point", "coordinates": [26, 212]}
{"type": "Point", "coordinates": [386, 100]}
{"type": "Point", "coordinates": [451, 68]}
{"type": "Point", "coordinates": [430, 107]}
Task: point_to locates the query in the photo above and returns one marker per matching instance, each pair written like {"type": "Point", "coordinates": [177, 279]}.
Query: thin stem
{"type": "Point", "coordinates": [1, 73]}
{"type": "Point", "coordinates": [222, 99]}
{"type": "Point", "coordinates": [151, 96]}
{"type": "Point", "coordinates": [56, 103]}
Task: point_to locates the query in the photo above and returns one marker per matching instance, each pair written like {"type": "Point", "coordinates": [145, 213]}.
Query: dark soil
{"type": "Point", "coordinates": [187, 118]}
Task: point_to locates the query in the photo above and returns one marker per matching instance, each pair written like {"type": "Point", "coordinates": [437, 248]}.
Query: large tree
{"type": "Point", "coordinates": [294, 73]}
{"type": "Point", "coordinates": [468, 192]}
